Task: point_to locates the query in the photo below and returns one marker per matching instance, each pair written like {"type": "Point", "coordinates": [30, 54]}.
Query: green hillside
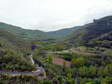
{"type": "Point", "coordinates": [91, 31]}
{"type": "Point", "coordinates": [12, 52]}
{"type": "Point", "coordinates": [102, 41]}
{"type": "Point", "coordinates": [24, 33]}
{"type": "Point", "coordinates": [36, 34]}
{"type": "Point", "coordinates": [59, 34]}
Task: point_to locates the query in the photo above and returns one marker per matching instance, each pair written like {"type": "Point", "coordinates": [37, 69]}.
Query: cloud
{"type": "Point", "coordinates": [52, 14]}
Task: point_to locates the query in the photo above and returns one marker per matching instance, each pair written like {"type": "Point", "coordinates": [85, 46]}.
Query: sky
{"type": "Point", "coordinates": [50, 15]}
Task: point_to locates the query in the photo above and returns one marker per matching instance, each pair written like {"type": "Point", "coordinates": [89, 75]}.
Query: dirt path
{"type": "Point", "coordinates": [74, 50]}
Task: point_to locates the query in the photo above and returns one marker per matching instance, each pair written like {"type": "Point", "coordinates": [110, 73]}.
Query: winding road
{"type": "Point", "coordinates": [40, 72]}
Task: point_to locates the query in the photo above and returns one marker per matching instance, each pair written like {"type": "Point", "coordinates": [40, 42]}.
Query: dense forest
{"type": "Point", "coordinates": [82, 56]}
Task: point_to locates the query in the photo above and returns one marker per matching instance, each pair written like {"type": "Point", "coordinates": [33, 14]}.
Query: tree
{"type": "Point", "coordinates": [78, 61]}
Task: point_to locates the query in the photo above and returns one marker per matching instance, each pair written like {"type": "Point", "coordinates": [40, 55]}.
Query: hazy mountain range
{"type": "Point", "coordinates": [36, 34]}
{"type": "Point", "coordinates": [97, 33]}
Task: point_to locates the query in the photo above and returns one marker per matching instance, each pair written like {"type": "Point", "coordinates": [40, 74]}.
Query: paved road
{"type": "Point", "coordinates": [18, 73]}
{"type": "Point", "coordinates": [39, 70]}
{"type": "Point", "coordinates": [40, 73]}
{"type": "Point", "coordinates": [32, 59]}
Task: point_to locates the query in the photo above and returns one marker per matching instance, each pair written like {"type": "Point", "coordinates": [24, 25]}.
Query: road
{"type": "Point", "coordinates": [40, 72]}
{"type": "Point", "coordinates": [32, 59]}
{"type": "Point", "coordinates": [19, 73]}
{"type": "Point", "coordinates": [73, 50]}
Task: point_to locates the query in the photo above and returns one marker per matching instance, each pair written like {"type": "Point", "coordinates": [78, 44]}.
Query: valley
{"type": "Point", "coordinates": [77, 55]}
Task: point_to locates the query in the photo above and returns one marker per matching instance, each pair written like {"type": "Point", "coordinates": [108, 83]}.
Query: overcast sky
{"type": "Point", "coordinates": [49, 15]}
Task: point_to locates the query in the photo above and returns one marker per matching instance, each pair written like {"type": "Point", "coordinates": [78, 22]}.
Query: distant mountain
{"type": "Point", "coordinates": [24, 33]}
{"type": "Point", "coordinates": [36, 34]}
{"type": "Point", "coordinates": [62, 33]}
{"type": "Point", "coordinates": [89, 33]}
{"type": "Point", "coordinates": [98, 33]}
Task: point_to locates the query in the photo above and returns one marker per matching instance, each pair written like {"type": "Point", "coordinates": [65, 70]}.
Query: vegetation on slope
{"type": "Point", "coordinates": [59, 34]}
{"type": "Point", "coordinates": [36, 34]}
{"type": "Point", "coordinates": [91, 31]}
{"type": "Point", "coordinates": [24, 33]}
